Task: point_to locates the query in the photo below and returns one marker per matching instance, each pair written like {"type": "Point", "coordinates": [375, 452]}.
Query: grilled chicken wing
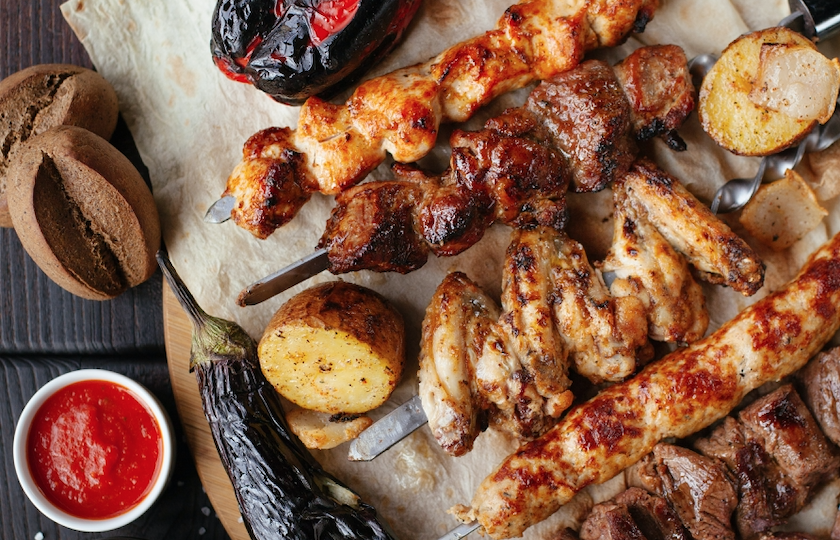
{"type": "Point", "coordinates": [690, 227]}
{"type": "Point", "coordinates": [456, 325]}
{"type": "Point", "coordinates": [336, 146]}
{"type": "Point", "coordinates": [648, 268]}
{"type": "Point", "coordinates": [674, 397]}
{"type": "Point", "coordinates": [605, 336]}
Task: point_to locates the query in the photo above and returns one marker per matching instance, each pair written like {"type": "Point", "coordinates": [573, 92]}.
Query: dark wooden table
{"type": "Point", "coordinates": [45, 331]}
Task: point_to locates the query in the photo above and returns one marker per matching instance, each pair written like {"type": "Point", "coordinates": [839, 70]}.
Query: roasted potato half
{"type": "Point", "coordinates": [767, 91]}
{"type": "Point", "coordinates": [322, 431]}
{"type": "Point", "coordinates": [335, 348]}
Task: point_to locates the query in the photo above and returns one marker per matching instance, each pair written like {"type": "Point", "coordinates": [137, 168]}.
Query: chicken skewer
{"type": "Point", "coordinates": [515, 170]}
{"type": "Point", "coordinates": [336, 146]}
{"type": "Point", "coordinates": [675, 397]}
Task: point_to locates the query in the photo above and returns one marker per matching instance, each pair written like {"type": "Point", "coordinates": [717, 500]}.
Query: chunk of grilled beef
{"type": "Point", "coordinates": [652, 514]}
{"type": "Point", "coordinates": [779, 456]}
{"type": "Point", "coordinates": [633, 514]}
{"type": "Point", "coordinates": [505, 174]}
{"type": "Point", "coordinates": [787, 431]}
{"type": "Point", "coordinates": [588, 117]}
{"type": "Point", "coordinates": [700, 489]}
{"type": "Point", "coordinates": [819, 382]}
{"type": "Point", "coordinates": [766, 497]}
{"type": "Point", "coordinates": [610, 521]}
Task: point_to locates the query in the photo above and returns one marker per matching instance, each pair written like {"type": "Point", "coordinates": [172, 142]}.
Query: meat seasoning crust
{"type": "Point", "coordinates": [684, 392]}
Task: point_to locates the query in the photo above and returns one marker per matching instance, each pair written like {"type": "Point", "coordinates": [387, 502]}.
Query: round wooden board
{"type": "Point", "coordinates": [177, 336]}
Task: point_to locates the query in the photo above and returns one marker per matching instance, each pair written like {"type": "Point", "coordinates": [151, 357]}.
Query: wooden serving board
{"type": "Point", "coordinates": [177, 330]}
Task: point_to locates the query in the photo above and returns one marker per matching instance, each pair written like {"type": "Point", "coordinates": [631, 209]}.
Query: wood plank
{"type": "Point", "coordinates": [178, 335]}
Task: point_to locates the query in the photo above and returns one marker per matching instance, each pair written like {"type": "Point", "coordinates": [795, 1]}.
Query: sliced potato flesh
{"type": "Point", "coordinates": [767, 91]}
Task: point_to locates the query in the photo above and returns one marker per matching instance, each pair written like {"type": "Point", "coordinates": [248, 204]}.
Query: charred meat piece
{"type": "Point", "coordinates": [631, 515]}
{"type": "Point", "coordinates": [779, 456]}
{"type": "Point", "coordinates": [494, 175]}
{"type": "Point", "coordinates": [819, 382]}
{"type": "Point", "coordinates": [658, 86]}
{"type": "Point", "coordinates": [787, 431]}
{"type": "Point", "coordinates": [610, 521]}
{"type": "Point", "coordinates": [653, 515]}
{"type": "Point", "coordinates": [700, 489]}
{"type": "Point", "coordinates": [589, 120]}
{"type": "Point", "coordinates": [372, 226]}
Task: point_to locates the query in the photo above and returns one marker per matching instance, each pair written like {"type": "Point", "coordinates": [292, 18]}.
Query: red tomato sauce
{"type": "Point", "coordinates": [94, 449]}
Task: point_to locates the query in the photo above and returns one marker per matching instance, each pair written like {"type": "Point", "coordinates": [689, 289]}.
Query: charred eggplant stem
{"type": "Point", "coordinates": [281, 490]}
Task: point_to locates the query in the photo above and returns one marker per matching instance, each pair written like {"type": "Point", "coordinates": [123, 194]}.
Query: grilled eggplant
{"type": "Point", "coordinates": [293, 49]}
{"type": "Point", "coordinates": [283, 493]}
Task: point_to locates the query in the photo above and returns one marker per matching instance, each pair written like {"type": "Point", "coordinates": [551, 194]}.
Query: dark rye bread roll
{"type": "Point", "coordinates": [83, 213]}
{"type": "Point", "coordinates": [40, 97]}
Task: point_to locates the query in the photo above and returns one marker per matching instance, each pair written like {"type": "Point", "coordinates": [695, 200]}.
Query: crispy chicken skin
{"type": "Point", "coordinates": [685, 391]}
{"type": "Point", "coordinates": [720, 255]}
{"type": "Point", "coordinates": [457, 322]}
{"type": "Point", "coordinates": [336, 146]}
{"type": "Point", "coordinates": [648, 268]}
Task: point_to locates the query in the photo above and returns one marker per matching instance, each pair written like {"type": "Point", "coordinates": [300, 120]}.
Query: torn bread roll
{"type": "Point", "coordinates": [83, 213]}
{"type": "Point", "coordinates": [43, 96]}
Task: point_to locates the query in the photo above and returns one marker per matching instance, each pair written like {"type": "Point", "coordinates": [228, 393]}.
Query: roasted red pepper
{"type": "Point", "coordinates": [293, 49]}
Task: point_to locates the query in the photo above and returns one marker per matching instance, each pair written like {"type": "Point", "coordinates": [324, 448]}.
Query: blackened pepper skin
{"type": "Point", "coordinates": [294, 49]}
{"type": "Point", "coordinates": [283, 493]}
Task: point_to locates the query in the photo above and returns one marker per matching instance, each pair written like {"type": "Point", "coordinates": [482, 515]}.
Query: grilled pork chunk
{"type": "Point", "coordinates": [594, 129]}
{"type": "Point", "coordinates": [501, 173]}
{"type": "Point", "coordinates": [674, 397]}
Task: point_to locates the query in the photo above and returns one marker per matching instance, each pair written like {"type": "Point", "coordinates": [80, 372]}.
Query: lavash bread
{"type": "Point", "coordinates": [83, 213]}
{"type": "Point", "coordinates": [40, 97]}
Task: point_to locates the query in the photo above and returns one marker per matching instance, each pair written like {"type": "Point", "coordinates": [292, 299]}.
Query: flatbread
{"type": "Point", "coordinates": [189, 123]}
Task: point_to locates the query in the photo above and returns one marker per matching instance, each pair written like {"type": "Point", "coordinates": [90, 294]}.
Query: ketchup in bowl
{"type": "Point", "coordinates": [93, 450]}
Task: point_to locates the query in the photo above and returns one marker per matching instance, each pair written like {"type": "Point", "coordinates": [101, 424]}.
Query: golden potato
{"type": "Point", "coordinates": [321, 431]}
{"type": "Point", "coordinates": [335, 348]}
{"type": "Point", "coordinates": [782, 212]}
{"type": "Point", "coordinates": [767, 91]}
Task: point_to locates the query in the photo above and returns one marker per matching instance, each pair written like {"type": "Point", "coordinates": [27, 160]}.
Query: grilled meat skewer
{"type": "Point", "coordinates": [514, 171]}
{"type": "Point", "coordinates": [674, 397]}
{"type": "Point", "coordinates": [336, 146]}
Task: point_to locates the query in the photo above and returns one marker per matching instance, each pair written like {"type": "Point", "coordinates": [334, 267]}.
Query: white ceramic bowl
{"type": "Point", "coordinates": [30, 487]}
